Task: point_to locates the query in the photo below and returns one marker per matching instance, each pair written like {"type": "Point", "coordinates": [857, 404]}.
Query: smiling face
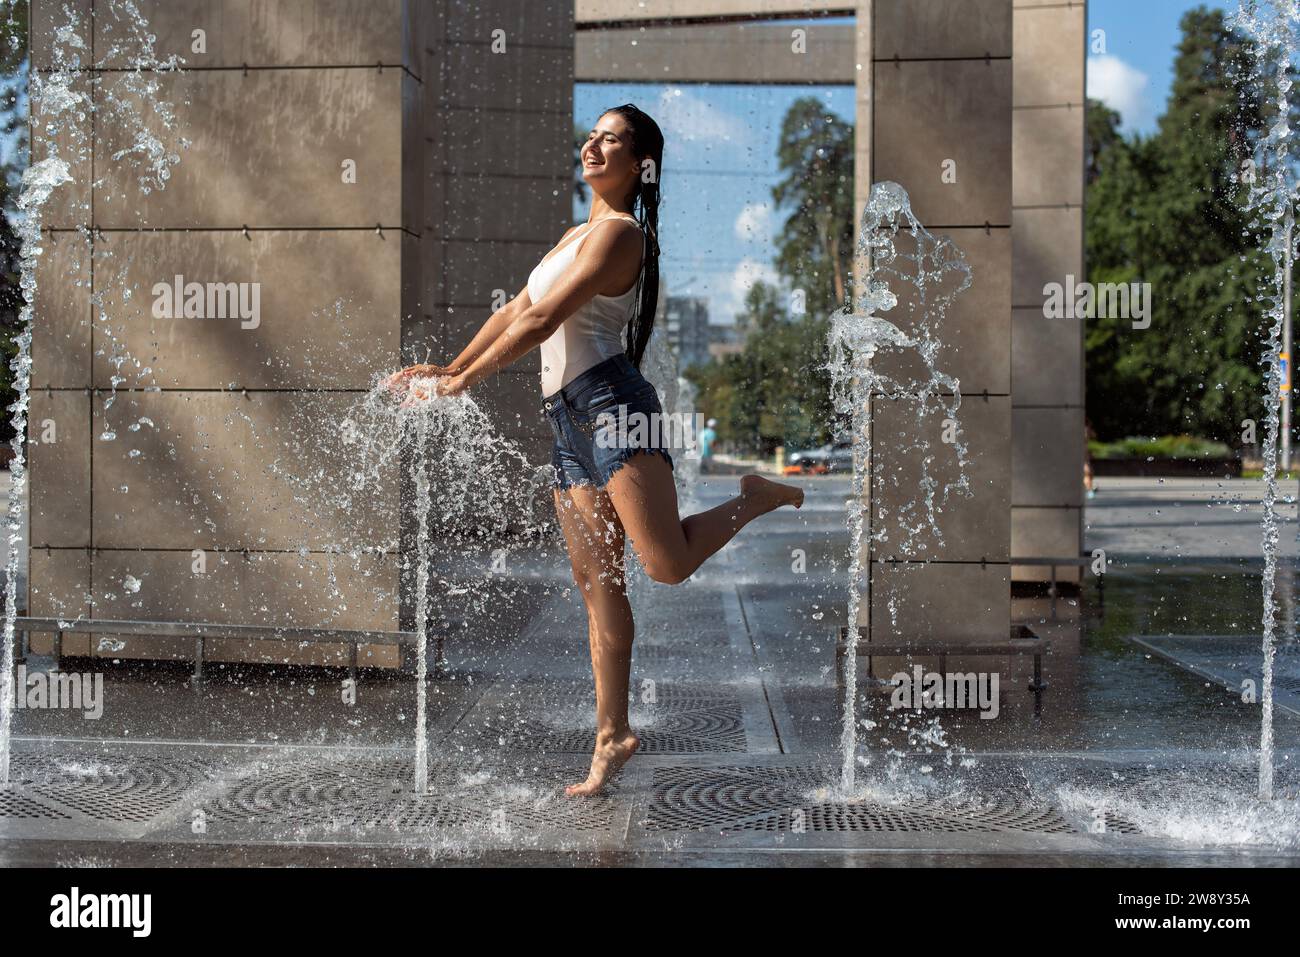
{"type": "Point", "coordinates": [608, 163]}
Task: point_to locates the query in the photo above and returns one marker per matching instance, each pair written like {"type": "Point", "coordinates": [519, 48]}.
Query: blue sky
{"type": "Point", "coordinates": [717, 221]}
{"type": "Point", "coordinates": [1134, 73]}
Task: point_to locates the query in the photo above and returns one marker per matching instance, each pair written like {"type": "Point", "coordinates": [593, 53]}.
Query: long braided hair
{"type": "Point", "coordinates": [647, 145]}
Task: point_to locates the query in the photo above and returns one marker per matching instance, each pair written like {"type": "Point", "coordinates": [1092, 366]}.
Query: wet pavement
{"type": "Point", "coordinates": [1181, 519]}
{"type": "Point", "coordinates": [1138, 752]}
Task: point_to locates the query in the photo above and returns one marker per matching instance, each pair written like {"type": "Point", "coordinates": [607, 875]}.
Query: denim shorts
{"type": "Point", "coordinates": [590, 444]}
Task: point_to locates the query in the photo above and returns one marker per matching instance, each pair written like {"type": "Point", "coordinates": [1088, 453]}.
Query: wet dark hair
{"type": "Point", "coordinates": [647, 143]}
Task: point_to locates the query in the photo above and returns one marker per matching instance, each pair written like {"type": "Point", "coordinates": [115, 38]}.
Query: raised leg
{"type": "Point", "coordinates": [596, 545]}
{"type": "Point", "coordinates": [672, 548]}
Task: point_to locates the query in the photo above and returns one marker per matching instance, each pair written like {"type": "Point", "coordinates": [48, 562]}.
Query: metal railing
{"type": "Point", "coordinates": [1021, 641]}
{"type": "Point", "coordinates": [200, 631]}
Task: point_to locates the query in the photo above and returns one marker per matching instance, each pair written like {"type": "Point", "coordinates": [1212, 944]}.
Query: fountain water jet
{"type": "Point", "coordinates": [39, 181]}
{"type": "Point", "coordinates": [420, 473]}
{"type": "Point", "coordinates": [55, 105]}
{"type": "Point", "coordinates": [855, 338]}
{"type": "Point", "coordinates": [449, 446]}
{"type": "Point", "coordinates": [1272, 25]}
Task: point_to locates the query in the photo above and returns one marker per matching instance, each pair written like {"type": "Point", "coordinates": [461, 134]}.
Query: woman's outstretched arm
{"type": "Point", "coordinates": [488, 333]}
{"type": "Point", "coordinates": [491, 330]}
{"type": "Point", "coordinates": [610, 257]}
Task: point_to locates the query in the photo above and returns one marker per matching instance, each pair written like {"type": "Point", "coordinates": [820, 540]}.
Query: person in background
{"type": "Point", "coordinates": [708, 435]}
{"type": "Point", "coordinates": [1089, 435]}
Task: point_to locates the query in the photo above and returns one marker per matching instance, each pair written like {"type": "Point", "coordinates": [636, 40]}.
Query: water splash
{"type": "Point", "coordinates": [1184, 807]}
{"type": "Point", "coordinates": [900, 254]}
{"type": "Point", "coordinates": [39, 182]}
{"type": "Point", "coordinates": [454, 454]}
{"type": "Point", "coordinates": [1273, 26]}
{"type": "Point", "coordinates": [59, 115]}
{"type": "Point", "coordinates": [662, 364]}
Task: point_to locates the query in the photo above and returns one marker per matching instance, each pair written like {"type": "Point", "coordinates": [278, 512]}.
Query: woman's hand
{"type": "Point", "coordinates": [450, 385]}
{"type": "Point", "coordinates": [401, 378]}
{"type": "Point", "coordinates": [418, 392]}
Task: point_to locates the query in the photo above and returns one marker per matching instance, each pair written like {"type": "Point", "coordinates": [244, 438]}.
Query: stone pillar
{"type": "Point", "coordinates": [1047, 354]}
{"type": "Point", "coordinates": [282, 103]}
{"type": "Point", "coordinates": [940, 90]}
{"type": "Point", "coordinates": [499, 165]}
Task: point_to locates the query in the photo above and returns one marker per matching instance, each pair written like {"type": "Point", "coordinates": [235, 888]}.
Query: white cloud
{"type": "Point", "coordinates": [1123, 88]}
{"type": "Point", "coordinates": [754, 224]}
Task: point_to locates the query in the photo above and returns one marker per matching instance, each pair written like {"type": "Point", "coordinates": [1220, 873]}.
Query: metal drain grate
{"type": "Point", "coordinates": [364, 795]}
{"type": "Point", "coordinates": [693, 720]}
{"type": "Point", "coordinates": [295, 792]}
{"type": "Point", "coordinates": [1118, 824]}
{"type": "Point", "coordinates": [14, 806]}
{"type": "Point", "coordinates": [126, 789]}
{"type": "Point", "coordinates": [786, 799]}
{"type": "Point", "coordinates": [375, 794]}
{"type": "Point", "coordinates": [878, 817]}
{"type": "Point", "coordinates": [646, 657]}
{"type": "Point", "coordinates": [308, 792]}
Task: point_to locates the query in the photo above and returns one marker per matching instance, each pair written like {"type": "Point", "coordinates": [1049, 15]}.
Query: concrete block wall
{"type": "Point", "coordinates": [499, 174]}
{"type": "Point", "coordinates": [1047, 354]}
{"type": "Point", "coordinates": [497, 166]}
{"type": "Point", "coordinates": [279, 98]}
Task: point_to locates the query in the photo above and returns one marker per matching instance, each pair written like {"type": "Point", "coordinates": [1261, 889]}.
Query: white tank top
{"type": "Point", "coordinates": [592, 334]}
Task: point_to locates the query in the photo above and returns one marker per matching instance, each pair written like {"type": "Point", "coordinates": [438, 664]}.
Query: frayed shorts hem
{"type": "Point", "coordinates": [564, 480]}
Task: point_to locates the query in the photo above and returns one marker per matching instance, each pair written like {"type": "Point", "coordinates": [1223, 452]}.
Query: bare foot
{"type": "Point", "coordinates": [772, 494]}
{"type": "Point", "coordinates": [611, 754]}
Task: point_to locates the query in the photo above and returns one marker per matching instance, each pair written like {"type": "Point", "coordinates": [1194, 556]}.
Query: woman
{"type": "Point", "coordinates": [600, 279]}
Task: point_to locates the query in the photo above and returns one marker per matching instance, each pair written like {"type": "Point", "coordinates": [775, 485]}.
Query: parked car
{"type": "Point", "coordinates": [825, 459]}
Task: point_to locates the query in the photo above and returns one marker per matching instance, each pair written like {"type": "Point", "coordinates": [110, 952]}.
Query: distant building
{"type": "Point", "coordinates": [686, 320]}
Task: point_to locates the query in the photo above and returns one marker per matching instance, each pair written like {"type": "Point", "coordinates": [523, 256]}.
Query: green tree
{"type": "Point", "coordinates": [776, 391]}
{"type": "Point", "coordinates": [815, 246]}
{"type": "Point", "coordinates": [1102, 132]}
{"type": "Point", "coordinates": [1170, 209]}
